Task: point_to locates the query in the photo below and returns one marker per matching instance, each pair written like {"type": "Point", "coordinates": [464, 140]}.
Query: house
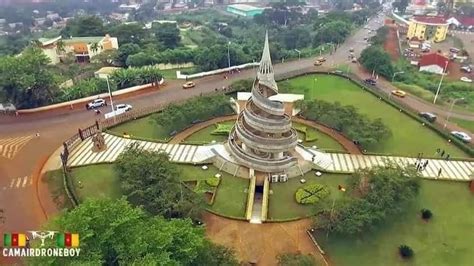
{"type": "Point", "coordinates": [83, 48]}
{"type": "Point", "coordinates": [53, 17]}
{"type": "Point", "coordinates": [244, 10]}
{"type": "Point", "coordinates": [433, 63]}
{"type": "Point", "coordinates": [428, 28]}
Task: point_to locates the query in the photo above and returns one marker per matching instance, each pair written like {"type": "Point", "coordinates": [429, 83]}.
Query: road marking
{"type": "Point", "coordinates": [18, 182]}
{"type": "Point", "coordinates": [11, 183]}
{"type": "Point", "coordinates": [9, 147]}
{"type": "Point", "coordinates": [31, 181]}
{"type": "Point", "coordinates": [25, 179]}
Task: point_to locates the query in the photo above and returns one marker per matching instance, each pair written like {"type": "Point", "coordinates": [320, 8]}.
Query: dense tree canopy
{"type": "Point", "coordinates": [167, 34]}
{"type": "Point", "coordinates": [26, 81]}
{"type": "Point", "coordinates": [374, 195]}
{"type": "Point", "coordinates": [374, 58]}
{"type": "Point", "coordinates": [296, 259]}
{"type": "Point", "coordinates": [129, 77]}
{"type": "Point", "coordinates": [84, 26]}
{"type": "Point", "coordinates": [150, 180]}
{"type": "Point", "coordinates": [401, 5]}
{"type": "Point", "coordinates": [112, 232]}
{"type": "Point", "coordinates": [129, 33]}
{"type": "Point", "coordinates": [346, 119]}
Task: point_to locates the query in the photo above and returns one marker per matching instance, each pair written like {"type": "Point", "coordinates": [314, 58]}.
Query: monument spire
{"type": "Point", "coordinates": [265, 70]}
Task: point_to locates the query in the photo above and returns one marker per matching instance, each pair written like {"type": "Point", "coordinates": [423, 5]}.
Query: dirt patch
{"type": "Point", "coordinates": [391, 44]}
{"type": "Point", "coordinates": [208, 196]}
{"type": "Point", "coordinates": [191, 184]}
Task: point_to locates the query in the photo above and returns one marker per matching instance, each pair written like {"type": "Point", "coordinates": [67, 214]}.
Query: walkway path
{"type": "Point", "coordinates": [339, 162]}
{"type": "Point", "coordinates": [333, 162]}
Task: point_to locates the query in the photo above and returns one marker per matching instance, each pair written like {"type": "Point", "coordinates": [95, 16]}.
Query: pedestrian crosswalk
{"type": "Point", "coordinates": [19, 183]}
{"type": "Point", "coordinates": [182, 153]}
{"type": "Point", "coordinates": [9, 147]}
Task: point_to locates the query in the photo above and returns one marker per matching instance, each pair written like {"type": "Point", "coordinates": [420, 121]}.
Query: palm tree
{"type": "Point", "coordinates": [60, 47]}
{"type": "Point", "coordinates": [36, 43]}
{"type": "Point", "coordinates": [94, 47]}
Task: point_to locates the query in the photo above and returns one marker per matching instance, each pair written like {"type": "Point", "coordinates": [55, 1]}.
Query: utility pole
{"type": "Point", "coordinates": [451, 110]}
{"type": "Point", "coordinates": [110, 96]}
{"type": "Point", "coordinates": [228, 54]}
{"type": "Point", "coordinates": [440, 81]}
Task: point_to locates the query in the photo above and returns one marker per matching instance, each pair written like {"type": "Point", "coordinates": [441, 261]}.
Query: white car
{"type": "Point", "coordinates": [466, 79]}
{"type": "Point", "coordinates": [461, 135]}
{"type": "Point", "coordinates": [96, 104]}
{"type": "Point", "coordinates": [126, 107]}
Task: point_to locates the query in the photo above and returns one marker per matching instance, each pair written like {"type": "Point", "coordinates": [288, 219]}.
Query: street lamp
{"type": "Point", "coordinates": [299, 53]}
{"type": "Point", "coordinates": [450, 110]}
{"type": "Point", "coordinates": [228, 53]}
{"type": "Point", "coordinates": [396, 73]}
{"type": "Point", "coordinates": [110, 96]}
{"type": "Point", "coordinates": [440, 81]}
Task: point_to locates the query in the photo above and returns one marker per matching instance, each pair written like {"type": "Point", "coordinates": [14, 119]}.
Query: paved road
{"type": "Point", "coordinates": [21, 205]}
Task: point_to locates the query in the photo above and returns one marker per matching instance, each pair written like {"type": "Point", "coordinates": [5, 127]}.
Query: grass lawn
{"type": "Point", "coordinates": [96, 181]}
{"type": "Point", "coordinates": [54, 180]}
{"type": "Point", "coordinates": [445, 240]}
{"type": "Point", "coordinates": [204, 135]}
{"type": "Point", "coordinates": [282, 203]}
{"type": "Point", "coordinates": [466, 124]}
{"type": "Point", "coordinates": [101, 181]}
{"type": "Point", "coordinates": [323, 141]}
{"type": "Point", "coordinates": [171, 73]}
{"type": "Point", "coordinates": [144, 127]}
{"type": "Point", "coordinates": [409, 137]}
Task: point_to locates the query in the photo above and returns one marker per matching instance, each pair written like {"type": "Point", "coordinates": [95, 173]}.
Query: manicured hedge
{"type": "Point", "coordinates": [213, 181]}
{"type": "Point", "coordinates": [311, 194]}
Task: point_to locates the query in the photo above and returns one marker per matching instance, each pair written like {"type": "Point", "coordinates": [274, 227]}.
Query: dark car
{"type": "Point", "coordinates": [370, 81]}
{"type": "Point", "coordinates": [428, 116]}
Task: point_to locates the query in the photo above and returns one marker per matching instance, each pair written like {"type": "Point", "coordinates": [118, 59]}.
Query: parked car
{"type": "Point", "coordinates": [461, 135]}
{"type": "Point", "coordinates": [318, 63]}
{"type": "Point", "coordinates": [466, 79]}
{"type": "Point", "coordinates": [399, 93]}
{"type": "Point", "coordinates": [354, 60]}
{"type": "Point", "coordinates": [466, 69]}
{"type": "Point", "coordinates": [370, 81]}
{"type": "Point", "coordinates": [351, 50]}
{"type": "Point", "coordinates": [454, 50]}
{"type": "Point", "coordinates": [96, 103]}
{"type": "Point", "coordinates": [321, 59]}
{"type": "Point", "coordinates": [126, 107]}
{"type": "Point", "coordinates": [188, 85]}
{"type": "Point", "coordinates": [428, 116]}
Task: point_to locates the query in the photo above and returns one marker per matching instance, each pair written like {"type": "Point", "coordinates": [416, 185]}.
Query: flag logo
{"type": "Point", "coordinates": [67, 240]}
{"type": "Point", "coordinates": [14, 240]}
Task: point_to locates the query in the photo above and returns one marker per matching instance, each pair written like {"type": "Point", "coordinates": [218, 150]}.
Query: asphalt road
{"type": "Point", "coordinates": [20, 203]}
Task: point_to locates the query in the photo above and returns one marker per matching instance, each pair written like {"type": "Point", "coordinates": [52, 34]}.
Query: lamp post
{"type": "Point", "coordinates": [299, 53]}
{"type": "Point", "coordinates": [396, 73]}
{"type": "Point", "coordinates": [440, 81]}
{"type": "Point", "coordinates": [450, 110]}
{"type": "Point", "coordinates": [228, 54]}
{"type": "Point", "coordinates": [110, 96]}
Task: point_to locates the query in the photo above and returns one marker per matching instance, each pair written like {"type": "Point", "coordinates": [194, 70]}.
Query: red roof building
{"type": "Point", "coordinates": [434, 63]}
{"type": "Point", "coordinates": [430, 19]}
{"type": "Point", "coordinates": [466, 21]}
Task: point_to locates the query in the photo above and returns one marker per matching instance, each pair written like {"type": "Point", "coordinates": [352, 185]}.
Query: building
{"type": "Point", "coordinates": [287, 99]}
{"type": "Point", "coordinates": [428, 28]}
{"type": "Point", "coordinates": [105, 72]}
{"type": "Point", "coordinates": [83, 48]}
{"type": "Point", "coordinates": [244, 10]}
{"type": "Point", "coordinates": [262, 138]}
{"type": "Point", "coordinates": [433, 63]}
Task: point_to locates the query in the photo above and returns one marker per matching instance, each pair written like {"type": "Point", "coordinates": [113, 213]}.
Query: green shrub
{"type": "Point", "coordinates": [311, 135]}
{"type": "Point", "coordinates": [222, 129]}
{"type": "Point", "coordinates": [405, 251]}
{"type": "Point", "coordinates": [311, 194]}
{"type": "Point", "coordinates": [426, 214]}
{"type": "Point", "coordinates": [213, 181]}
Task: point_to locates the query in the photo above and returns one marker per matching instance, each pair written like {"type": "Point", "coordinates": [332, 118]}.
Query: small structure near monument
{"type": "Point", "coordinates": [99, 142]}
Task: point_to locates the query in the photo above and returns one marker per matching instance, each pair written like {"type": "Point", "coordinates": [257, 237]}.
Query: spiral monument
{"type": "Point", "coordinates": [262, 136]}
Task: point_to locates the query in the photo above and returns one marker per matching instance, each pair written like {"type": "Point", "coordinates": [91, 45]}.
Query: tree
{"type": "Point", "coordinates": [94, 47]}
{"type": "Point", "coordinates": [401, 5]}
{"type": "Point", "coordinates": [296, 259]}
{"type": "Point", "coordinates": [107, 58]}
{"type": "Point", "coordinates": [129, 33]}
{"type": "Point", "coordinates": [84, 26]}
{"type": "Point", "coordinates": [296, 38]}
{"type": "Point", "coordinates": [150, 180]}
{"type": "Point", "coordinates": [113, 232]}
{"type": "Point", "coordinates": [26, 79]}
{"type": "Point", "coordinates": [426, 214]}
{"type": "Point", "coordinates": [332, 32]}
{"type": "Point", "coordinates": [60, 47]}
{"type": "Point", "coordinates": [374, 58]}
{"type": "Point", "coordinates": [213, 254]}
{"type": "Point", "coordinates": [167, 34]}
{"type": "Point", "coordinates": [405, 251]}
{"type": "Point", "coordinates": [377, 194]}
{"type": "Point", "coordinates": [125, 50]}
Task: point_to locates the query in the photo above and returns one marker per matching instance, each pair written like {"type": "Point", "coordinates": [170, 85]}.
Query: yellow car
{"type": "Point", "coordinates": [321, 59]}
{"type": "Point", "coordinates": [188, 85]}
{"type": "Point", "coordinates": [399, 93]}
{"type": "Point", "coordinates": [318, 63]}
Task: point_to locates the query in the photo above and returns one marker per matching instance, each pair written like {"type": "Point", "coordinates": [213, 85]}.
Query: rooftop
{"type": "Point", "coordinates": [106, 70]}
{"type": "Point", "coordinates": [430, 20]}
{"type": "Point", "coordinates": [281, 97]}
{"type": "Point", "coordinates": [91, 39]}
{"type": "Point", "coordinates": [433, 59]}
{"type": "Point", "coordinates": [244, 7]}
